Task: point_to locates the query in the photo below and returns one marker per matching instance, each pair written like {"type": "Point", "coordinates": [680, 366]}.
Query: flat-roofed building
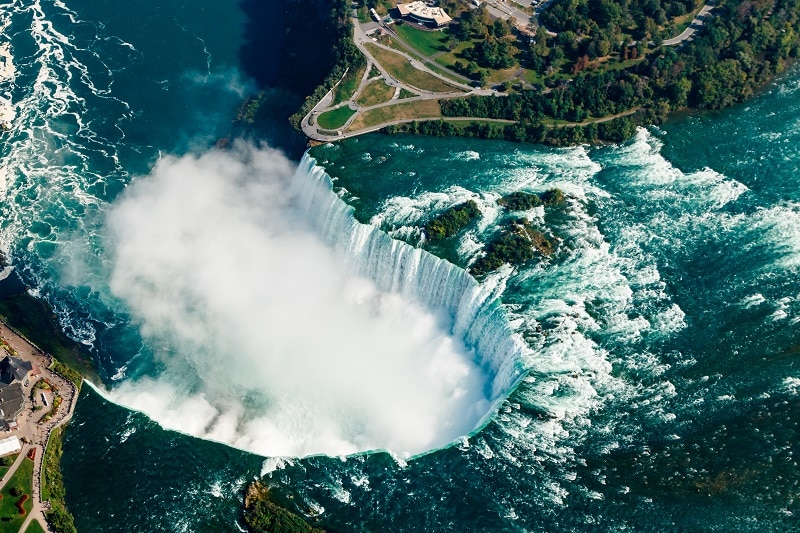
{"type": "Point", "coordinates": [422, 13]}
{"type": "Point", "coordinates": [9, 445]}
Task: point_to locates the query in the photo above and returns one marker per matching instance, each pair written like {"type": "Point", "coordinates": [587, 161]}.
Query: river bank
{"type": "Point", "coordinates": [37, 425]}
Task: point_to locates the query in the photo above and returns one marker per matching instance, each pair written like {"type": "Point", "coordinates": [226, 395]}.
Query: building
{"type": "Point", "coordinates": [15, 369]}
{"type": "Point", "coordinates": [424, 14]}
{"type": "Point", "coordinates": [14, 374]}
{"type": "Point", "coordinates": [9, 445]}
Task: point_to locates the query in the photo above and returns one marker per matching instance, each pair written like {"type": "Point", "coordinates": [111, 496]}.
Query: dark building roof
{"type": "Point", "coordinates": [12, 368]}
{"type": "Point", "coordinates": [12, 400]}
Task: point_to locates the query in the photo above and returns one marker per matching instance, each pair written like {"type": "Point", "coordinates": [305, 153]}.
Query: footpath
{"type": "Point", "coordinates": [33, 431]}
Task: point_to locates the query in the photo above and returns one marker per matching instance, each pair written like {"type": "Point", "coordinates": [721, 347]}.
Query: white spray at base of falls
{"type": "Point", "coordinates": [418, 275]}
{"type": "Point", "coordinates": [280, 342]}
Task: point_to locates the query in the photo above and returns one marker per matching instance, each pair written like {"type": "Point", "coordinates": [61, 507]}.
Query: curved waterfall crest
{"type": "Point", "coordinates": [474, 314]}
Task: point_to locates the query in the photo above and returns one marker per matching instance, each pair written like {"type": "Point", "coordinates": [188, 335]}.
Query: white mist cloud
{"type": "Point", "coordinates": [267, 343]}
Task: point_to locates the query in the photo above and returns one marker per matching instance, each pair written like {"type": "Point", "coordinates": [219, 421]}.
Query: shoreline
{"type": "Point", "coordinates": [471, 111]}
{"type": "Point", "coordinates": [33, 434]}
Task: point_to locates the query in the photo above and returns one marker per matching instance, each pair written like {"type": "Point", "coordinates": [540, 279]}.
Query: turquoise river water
{"type": "Point", "coordinates": [260, 314]}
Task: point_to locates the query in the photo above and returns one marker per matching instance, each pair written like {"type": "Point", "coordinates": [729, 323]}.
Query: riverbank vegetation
{"type": "Point", "coordinates": [53, 490]}
{"type": "Point", "coordinates": [615, 130]}
{"type": "Point", "coordinates": [744, 44]}
{"type": "Point", "coordinates": [594, 70]}
{"type": "Point", "coordinates": [34, 319]}
{"type": "Point", "coordinates": [337, 32]}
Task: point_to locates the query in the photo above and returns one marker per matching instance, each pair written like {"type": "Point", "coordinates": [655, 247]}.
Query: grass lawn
{"type": "Point", "coordinates": [426, 42]}
{"type": "Point", "coordinates": [35, 527]}
{"type": "Point", "coordinates": [434, 66]}
{"type": "Point", "coordinates": [620, 65]}
{"type": "Point", "coordinates": [449, 59]}
{"type": "Point", "coordinates": [405, 93]}
{"type": "Point", "coordinates": [531, 76]}
{"type": "Point", "coordinates": [335, 119]}
{"type": "Point", "coordinates": [4, 469]}
{"type": "Point", "coordinates": [402, 111]}
{"type": "Point", "coordinates": [377, 92]}
{"type": "Point", "coordinates": [399, 67]}
{"type": "Point", "coordinates": [496, 76]}
{"type": "Point", "coordinates": [349, 84]}
{"type": "Point", "coordinates": [9, 514]}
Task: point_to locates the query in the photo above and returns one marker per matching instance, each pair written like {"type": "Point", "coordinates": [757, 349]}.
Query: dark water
{"type": "Point", "coordinates": [661, 392]}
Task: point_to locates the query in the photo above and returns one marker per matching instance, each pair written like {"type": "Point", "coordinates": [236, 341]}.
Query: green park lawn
{"type": "Point", "coordinates": [11, 459]}
{"type": "Point", "coordinates": [334, 119]}
{"type": "Point", "coordinates": [10, 519]}
{"type": "Point", "coordinates": [449, 59]}
{"type": "Point", "coordinates": [344, 91]}
{"type": "Point", "coordinates": [399, 67]}
{"type": "Point", "coordinates": [426, 42]}
{"type": "Point", "coordinates": [401, 111]}
{"type": "Point", "coordinates": [35, 527]}
{"type": "Point", "coordinates": [377, 92]}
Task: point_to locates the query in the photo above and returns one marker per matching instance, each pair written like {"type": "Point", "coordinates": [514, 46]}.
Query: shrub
{"type": "Point", "coordinates": [451, 221]}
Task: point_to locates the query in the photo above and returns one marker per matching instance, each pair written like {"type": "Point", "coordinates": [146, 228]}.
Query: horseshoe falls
{"type": "Point", "coordinates": [351, 343]}
{"type": "Point", "coordinates": [257, 314]}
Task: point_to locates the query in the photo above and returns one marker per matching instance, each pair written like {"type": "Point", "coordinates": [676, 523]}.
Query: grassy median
{"type": "Point", "coordinates": [335, 119]}
{"type": "Point", "coordinates": [403, 111]}
{"type": "Point", "coordinates": [401, 68]}
{"type": "Point", "coordinates": [377, 92]}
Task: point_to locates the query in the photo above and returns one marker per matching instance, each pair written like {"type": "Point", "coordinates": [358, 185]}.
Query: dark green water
{"type": "Point", "coordinates": [661, 386]}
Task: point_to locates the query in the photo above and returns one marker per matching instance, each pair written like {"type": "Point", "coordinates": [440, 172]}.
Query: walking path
{"type": "Point", "coordinates": [430, 59]}
{"type": "Point", "coordinates": [309, 123]}
{"type": "Point", "coordinates": [695, 26]}
{"type": "Point", "coordinates": [32, 432]}
{"type": "Point", "coordinates": [313, 131]}
{"type": "Point", "coordinates": [360, 38]}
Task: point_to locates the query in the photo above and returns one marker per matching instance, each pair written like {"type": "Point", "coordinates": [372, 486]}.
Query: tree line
{"type": "Point", "coordinates": [616, 130]}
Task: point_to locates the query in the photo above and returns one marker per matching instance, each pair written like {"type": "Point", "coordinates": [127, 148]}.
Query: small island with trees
{"type": "Point", "coordinates": [516, 242]}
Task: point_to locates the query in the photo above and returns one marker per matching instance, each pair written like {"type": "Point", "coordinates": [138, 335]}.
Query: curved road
{"type": "Point", "coordinates": [695, 26]}
{"type": "Point", "coordinates": [312, 130]}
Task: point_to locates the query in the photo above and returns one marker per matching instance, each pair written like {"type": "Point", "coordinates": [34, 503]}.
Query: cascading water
{"type": "Point", "coordinates": [297, 329]}
{"type": "Point", "coordinates": [471, 308]}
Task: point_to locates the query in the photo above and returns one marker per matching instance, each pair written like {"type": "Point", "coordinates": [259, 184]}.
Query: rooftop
{"type": "Point", "coordinates": [13, 368]}
{"type": "Point", "coordinates": [9, 445]}
{"type": "Point", "coordinates": [12, 400]}
{"type": "Point", "coordinates": [422, 11]}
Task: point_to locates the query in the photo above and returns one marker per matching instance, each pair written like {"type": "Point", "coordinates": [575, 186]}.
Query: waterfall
{"type": "Point", "coordinates": [473, 313]}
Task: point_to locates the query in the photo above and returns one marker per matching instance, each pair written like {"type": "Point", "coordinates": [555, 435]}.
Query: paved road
{"type": "Point", "coordinates": [312, 130]}
{"type": "Point", "coordinates": [696, 24]}
{"type": "Point", "coordinates": [360, 38]}
{"type": "Point", "coordinates": [432, 60]}
{"type": "Point", "coordinates": [504, 9]}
